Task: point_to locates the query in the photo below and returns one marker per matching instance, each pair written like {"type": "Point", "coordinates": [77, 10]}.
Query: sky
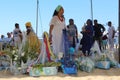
{"type": "Point", "coordinates": [22, 11]}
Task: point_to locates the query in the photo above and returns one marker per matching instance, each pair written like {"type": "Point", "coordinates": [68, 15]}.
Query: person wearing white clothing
{"type": "Point", "coordinates": [111, 34]}
{"type": "Point", "coordinates": [2, 42]}
{"type": "Point", "coordinates": [116, 43]}
{"type": "Point", "coordinates": [17, 35]}
{"type": "Point", "coordinates": [57, 24]}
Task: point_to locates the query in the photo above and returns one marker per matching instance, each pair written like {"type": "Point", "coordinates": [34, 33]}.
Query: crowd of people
{"type": "Point", "coordinates": [90, 33]}
{"type": "Point", "coordinates": [15, 38]}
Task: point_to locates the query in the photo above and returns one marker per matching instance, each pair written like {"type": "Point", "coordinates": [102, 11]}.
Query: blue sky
{"type": "Point", "coordinates": [22, 11]}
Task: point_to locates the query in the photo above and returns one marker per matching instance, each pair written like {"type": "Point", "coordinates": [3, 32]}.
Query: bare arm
{"type": "Point", "coordinates": [50, 30]}
{"type": "Point", "coordinates": [50, 33]}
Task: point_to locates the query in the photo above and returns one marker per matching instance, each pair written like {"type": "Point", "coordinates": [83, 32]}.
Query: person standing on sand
{"type": "Point", "coordinates": [17, 35]}
{"type": "Point", "coordinates": [57, 24]}
{"type": "Point", "coordinates": [87, 39]}
{"type": "Point", "coordinates": [111, 34]}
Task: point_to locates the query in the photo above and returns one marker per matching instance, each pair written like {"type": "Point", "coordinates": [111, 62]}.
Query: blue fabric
{"type": "Point", "coordinates": [69, 70]}
{"type": "Point", "coordinates": [103, 64]}
{"type": "Point", "coordinates": [68, 63]}
{"type": "Point", "coordinates": [87, 40]}
{"type": "Point", "coordinates": [66, 41]}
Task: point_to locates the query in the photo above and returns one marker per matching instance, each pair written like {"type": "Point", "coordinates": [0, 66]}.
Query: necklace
{"type": "Point", "coordinates": [60, 18]}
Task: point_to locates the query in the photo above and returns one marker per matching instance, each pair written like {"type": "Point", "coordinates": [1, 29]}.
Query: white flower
{"type": "Point", "coordinates": [15, 58]}
{"type": "Point", "coordinates": [76, 59]}
{"type": "Point", "coordinates": [13, 52]}
{"type": "Point", "coordinates": [19, 68]}
{"type": "Point", "coordinates": [22, 54]}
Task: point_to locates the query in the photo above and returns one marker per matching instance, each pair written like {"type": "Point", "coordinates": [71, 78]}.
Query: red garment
{"type": "Point", "coordinates": [104, 37]}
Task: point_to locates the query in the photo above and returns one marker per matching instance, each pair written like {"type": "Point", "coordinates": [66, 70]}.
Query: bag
{"type": "Point", "coordinates": [110, 56]}
{"type": "Point", "coordinates": [103, 64]}
{"type": "Point", "coordinates": [69, 70]}
{"type": "Point", "coordinates": [86, 64]}
{"type": "Point", "coordinates": [95, 47]}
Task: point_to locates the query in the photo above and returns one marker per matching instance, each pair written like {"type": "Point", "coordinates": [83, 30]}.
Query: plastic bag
{"type": "Point", "coordinates": [86, 64]}
{"type": "Point", "coordinates": [103, 64]}
{"type": "Point", "coordinates": [111, 58]}
{"type": "Point", "coordinates": [95, 47]}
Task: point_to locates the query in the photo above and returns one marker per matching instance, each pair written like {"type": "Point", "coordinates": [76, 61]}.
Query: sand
{"type": "Point", "coordinates": [97, 74]}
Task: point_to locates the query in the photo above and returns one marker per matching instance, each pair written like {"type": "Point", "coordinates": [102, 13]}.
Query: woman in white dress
{"type": "Point", "coordinates": [57, 24]}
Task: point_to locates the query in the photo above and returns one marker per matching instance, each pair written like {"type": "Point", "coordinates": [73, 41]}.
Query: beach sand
{"type": "Point", "coordinates": [97, 74]}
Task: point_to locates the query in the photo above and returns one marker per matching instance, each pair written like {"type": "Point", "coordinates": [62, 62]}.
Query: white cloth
{"type": "Point", "coordinates": [110, 36]}
{"type": "Point", "coordinates": [111, 31]}
{"type": "Point", "coordinates": [17, 41]}
{"type": "Point", "coordinates": [57, 34]}
{"type": "Point", "coordinates": [16, 36]}
{"type": "Point", "coordinates": [95, 47]}
{"type": "Point", "coordinates": [116, 38]}
{"type": "Point", "coordinates": [4, 42]}
{"type": "Point", "coordinates": [7, 40]}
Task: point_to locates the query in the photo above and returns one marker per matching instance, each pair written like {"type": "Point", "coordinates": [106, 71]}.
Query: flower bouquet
{"type": "Point", "coordinates": [21, 57]}
{"type": "Point", "coordinates": [45, 64]}
{"type": "Point", "coordinates": [15, 60]}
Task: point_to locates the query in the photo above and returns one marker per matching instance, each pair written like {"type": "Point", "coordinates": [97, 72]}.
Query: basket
{"type": "Point", "coordinates": [50, 70]}
{"type": "Point", "coordinates": [43, 71]}
{"type": "Point", "coordinates": [69, 70]}
{"type": "Point", "coordinates": [36, 71]}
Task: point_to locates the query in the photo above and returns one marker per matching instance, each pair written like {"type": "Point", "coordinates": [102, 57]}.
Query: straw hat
{"type": "Point", "coordinates": [28, 24]}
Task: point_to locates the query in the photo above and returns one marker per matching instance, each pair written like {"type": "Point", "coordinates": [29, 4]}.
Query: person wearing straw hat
{"type": "Point", "coordinates": [34, 42]}
{"type": "Point", "coordinates": [57, 24]}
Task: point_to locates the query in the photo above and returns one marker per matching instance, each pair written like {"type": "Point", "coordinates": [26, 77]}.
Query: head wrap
{"type": "Point", "coordinates": [28, 24]}
{"type": "Point", "coordinates": [58, 8]}
{"type": "Point", "coordinates": [89, 20]}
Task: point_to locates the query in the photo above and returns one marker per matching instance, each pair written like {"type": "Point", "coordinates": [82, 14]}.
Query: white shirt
{"type": "Point", "coordinates": [16, 32]}
{"type": "Point", "coordinates": [110, 31]}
